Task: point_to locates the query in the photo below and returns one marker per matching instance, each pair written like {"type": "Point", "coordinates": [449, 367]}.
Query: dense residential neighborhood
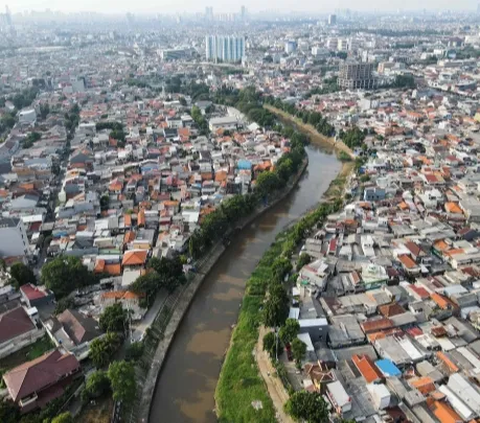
{"type": "Point", "coordinates": [132, 160]}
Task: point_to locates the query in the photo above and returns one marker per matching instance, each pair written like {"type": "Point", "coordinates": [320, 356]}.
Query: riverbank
{"type": "Point", "coordinates": [182, 304]}
{"type": "Point", "coordinates": [242, 392]}
{"type": "Point", "coordinates": [310, 131]}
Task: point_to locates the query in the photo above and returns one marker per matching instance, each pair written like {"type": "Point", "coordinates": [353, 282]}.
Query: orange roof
{"type": "Point", "coordinates": [221, 176]}
{"type": "Point", "coordinates": [113, 269]}
{"type": "Point", "coordinates": [129, 237]}
{"type": "Point", "coordinates": [134, 258]}
{"type": "Point", "coordinates": [441, 301]}
{"type": "Point", "coordinates": [424, 384]}
{"type": "Point", "coordinates": [449, 363]}
{"type": "Point", "coordinates": [407, 261]}
{"type": "Point", "coordinates": [366, 367]}
{"type": "Point", "coordinates": [127, 218]}
{"type": "Point", "coordinates": [141, 218]}
{"type": "Point", "coordinates": [99, 266]}
{"type": "Point", "coordinates": [440, 245]}
{"type": "Point", "coordinates": [120, 295]}
{"type": "Point", "coordinates": [452, 207]}
{"type": "Point", "coordinates": [444, 413]}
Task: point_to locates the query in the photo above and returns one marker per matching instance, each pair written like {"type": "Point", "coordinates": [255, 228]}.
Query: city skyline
{"type": "Point", "coordinates": [170, 6]}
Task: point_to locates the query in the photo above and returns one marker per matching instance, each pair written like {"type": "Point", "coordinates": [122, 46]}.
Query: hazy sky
{"type": "Point", "coordinates": [222, 6]}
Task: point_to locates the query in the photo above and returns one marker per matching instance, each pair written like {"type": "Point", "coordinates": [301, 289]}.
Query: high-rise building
{"type": "Point", "coordinates": [209, 13]}
{"type": "Point", "coordinates": [356, 75]}
{"type": "Point", "coordinates": [290, 47]}
{"type": "Point", "coordinates": [332, 20]}
{"type": "Point", "coordinates": [224, 48]}
{"type": "Point", "coordinates": [243, 13]}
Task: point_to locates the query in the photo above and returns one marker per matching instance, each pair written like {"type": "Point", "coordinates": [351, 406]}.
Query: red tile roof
{"type": "Point", "coordinates": [367, 368]}
{"type": "Point", "coordinates": [35, 375]}
{"type": "Point", "coordinates": [14, 323]}
{"type": "Point", "coordinates": [32, 292]}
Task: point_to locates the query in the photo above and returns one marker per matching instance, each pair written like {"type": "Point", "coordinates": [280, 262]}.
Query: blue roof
{"type": "Point", "coordinates": [387, 367]}
{"type": "Point", "coordinates": [244, 164]}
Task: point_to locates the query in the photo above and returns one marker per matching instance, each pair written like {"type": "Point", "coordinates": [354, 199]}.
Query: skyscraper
{"type": "Point", "coordinates": [332, 20]}
{"type": "Point", "coordinates": [243, 13]}
{"type": "Point", "coordinates": [224, 48]}
{"type": "Point", "coordinates": [209, 13]}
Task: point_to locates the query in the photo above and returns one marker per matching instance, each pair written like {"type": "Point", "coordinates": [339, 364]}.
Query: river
{"type": "Point", "coordinates": [186, 384]}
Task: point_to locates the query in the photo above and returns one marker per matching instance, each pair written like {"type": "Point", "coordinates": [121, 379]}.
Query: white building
{"type": "Point", "coordinates": [27, 116]}
{"type": "Point", "coordinates": [224, 48]}
{"type": "Point", "coordinates": [13, 238]}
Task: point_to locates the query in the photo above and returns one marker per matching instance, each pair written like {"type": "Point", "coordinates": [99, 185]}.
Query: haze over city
{"type": "Point", "coordinates": [263, 212]}
{"type": "Point", "coordinates": [191, 6]}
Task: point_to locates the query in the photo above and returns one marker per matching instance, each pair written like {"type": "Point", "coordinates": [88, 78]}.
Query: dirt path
{"type": "Point", "coordinates": [276, 390]}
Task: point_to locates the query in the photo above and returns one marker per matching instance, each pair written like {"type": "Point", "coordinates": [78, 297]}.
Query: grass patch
{"type": "Point", "coordinates": [28, 353]}
{"type": "Point", "coordinates": [240, 383]}
{"type": "Point", "coordinates": [39, 348]}
{"type": "Point", "coordinates": [98, 411]}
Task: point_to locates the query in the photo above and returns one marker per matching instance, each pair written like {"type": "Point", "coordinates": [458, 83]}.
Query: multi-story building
{"type": "Point", "coordinates": [332, 19]}
{"type": "Point", "coordinates": [290, 47]}
{"type": "Point", "coordinates": [224, 48]}
{"type": "Point", "coordinates": [13, 238]}
{"type": "Point", "coordinates": [356, 75]}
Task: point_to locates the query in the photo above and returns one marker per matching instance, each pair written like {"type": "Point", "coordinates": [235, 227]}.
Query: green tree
{"type": "Point", "coordinates": [267, 182]}
{"type": "Point", "coordinates": [272, 345]}
{"type": "Point", "coordinates": [22, 274]}
{"type": "Point", "coordinates": [135, 351]}
{"type": "Point", "coordinates": [63, 418]}
{"type": "Point", "coordinates": [148, 285]}
{"type": "Point", "coordinates": [303, 260]}
{"type": "Point", "coordinates": [114, 318]}
{"type": "Point", "coordinates": [170, 271]}
{"type": "Point", "coordinates": [122, 380]}
{"type": "Point", "coordinates": [65, 274]}
{"type": "Point", "coordinates": [275, 311]}
{"type": "Point", "coordinates": [307, 406]}
{"type": "Point", "coordinates": [97, 384]}
{"type": "Point", "coordinates": [289, 331]}
{"type": "Point", "coordinates": [102, 349]}
{"type": "Point", "coordinates": [9, 412]}
{"type": "Point", "coordinates": [299, 349]}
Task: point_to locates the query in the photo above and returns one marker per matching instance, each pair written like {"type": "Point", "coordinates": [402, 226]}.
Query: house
{"type": "Point", "coordinates": [134, 258]}
{"type": "Point", "coordinates": [36, 295]}
{"type": "Point", "coordinates": [339, 398]}
{"type": "Point", "coordinates": [18, 329]}
{"type": "Point", "coordinates": [73, 331]}
{"type": "Point", "coordinates": [36, 383]}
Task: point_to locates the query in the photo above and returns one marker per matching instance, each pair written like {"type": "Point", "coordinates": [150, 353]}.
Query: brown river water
{"type": "Point", "coordinates": [186, 385]}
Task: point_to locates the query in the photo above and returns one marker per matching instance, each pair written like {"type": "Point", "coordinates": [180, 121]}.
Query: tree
{"type": "Point", "coordinates": [122, 380]}
{"type": "Point", "coordinates": [272, 345]}
{"type": "Point", "coordinates": [307, 406]}
{"type": "Point", "coordinates": [299, 349]}
{"type": "Point", "coordinates": [97, 384]}
{"type": "Point", "coordinates": [289, 331]}
{"type": "Point", "coordinates": [22, 274]}
{"type": "Point", "coordinates": [148, 285]}
{"type": "Point", "coordinates": [63, 418]}
{"type": "Point", "coordinates": [303, 260]}
{"type": "Point", "coordinates": [102, 349]}
{"type": "Point", "coordinates": [170, 271]}
{"type": "Point", "coordinates": [114, 318]}
{"type": "Point", "coordinates": [134, 351]}
{"type": "Point", "coordinates": [65, 274]}
{"type": "Point", "coordinates": [9, 412]}
{"type": "Point", "coordinates": [275, 311]}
